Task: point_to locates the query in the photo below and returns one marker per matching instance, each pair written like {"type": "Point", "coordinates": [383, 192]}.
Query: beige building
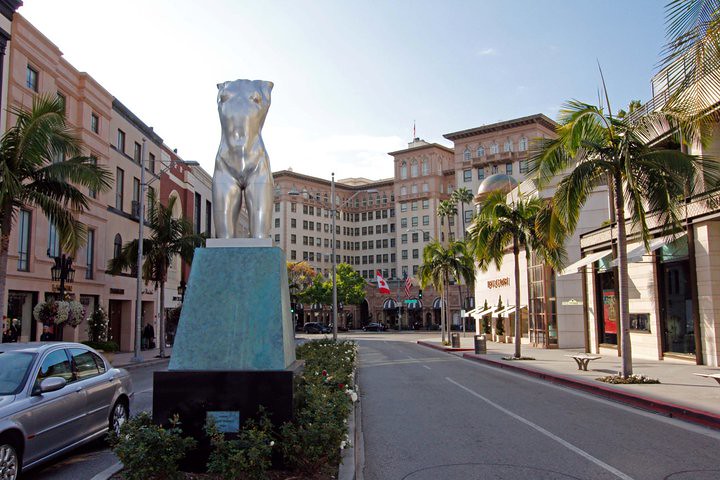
{"type": "Point", "coordinates": [117, 139]}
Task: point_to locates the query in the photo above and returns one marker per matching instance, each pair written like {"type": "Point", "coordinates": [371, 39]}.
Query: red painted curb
{"type": "Point", "coordinates": [681, 412]}
{"type": "Point", "coordinates": [443, 348]}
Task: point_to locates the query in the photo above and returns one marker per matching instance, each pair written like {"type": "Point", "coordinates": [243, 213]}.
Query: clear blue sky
{"type": "Point", "coordinates": [352, 76]}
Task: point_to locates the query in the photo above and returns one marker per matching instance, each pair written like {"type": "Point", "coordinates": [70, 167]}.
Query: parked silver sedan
{"type": "Point", "coordinates": [55, 396]}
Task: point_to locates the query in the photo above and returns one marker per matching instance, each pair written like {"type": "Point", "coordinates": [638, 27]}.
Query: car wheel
{"type": "Point", "coordinates": [118, 416]}
{"type": "Point", "coordinates": [9, 462]}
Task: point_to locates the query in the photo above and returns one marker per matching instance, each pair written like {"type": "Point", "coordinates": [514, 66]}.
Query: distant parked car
{"type": "Point", "coordinates": [374, 327]}
{"type": "Point", "coordinates": [315, 327]}
{"type": "Point", "coordinates": [55, 396]}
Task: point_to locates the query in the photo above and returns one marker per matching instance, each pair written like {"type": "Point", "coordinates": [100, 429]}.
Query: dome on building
{"type": "Point", "coordinates": [498, 181]}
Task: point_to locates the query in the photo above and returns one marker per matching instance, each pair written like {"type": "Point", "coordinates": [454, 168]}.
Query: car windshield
{"type": "Point", "coordinates": [14, 369]}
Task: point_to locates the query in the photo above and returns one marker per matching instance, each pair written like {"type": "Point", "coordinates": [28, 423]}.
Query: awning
{"type": "Point", "coordinates": [506, 311]}
{"type": "Point", "coordinates": [637, 253]}
{"type": "Point", "coordinates": [576, 266]}
{"type": "Point", "coordinates": [479, 312]}
{"type": "Point", "coordinates": [390, 304]}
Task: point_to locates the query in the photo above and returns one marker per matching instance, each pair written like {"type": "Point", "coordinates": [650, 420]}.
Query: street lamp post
{"type": "Point", "coordinates": [62, 272]}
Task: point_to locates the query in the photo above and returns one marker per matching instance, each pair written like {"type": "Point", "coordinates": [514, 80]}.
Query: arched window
{"type": "Point", "coordinates": [414, 168]}
{"type": "Point", "coordinates": [466, 154]}
{"type": "Point", "coordinates": [522, 146]}
{"type": "Point", "coordinates": [403, 191]}
{"type": "Point", "coordinates": [117, 246]}
{"type": "Point", "coordinates": [480, 151]}
{"type": "Point", "coordinates": [508, 146]}
{"type": "Point", "coordinates": [414, 189]}
{"type": "Point", "coordinates": [425, 167]}
{"type": "Point", "coordinates": [494, 148]}
{"type": "Point", "coordinates": [403, 170]}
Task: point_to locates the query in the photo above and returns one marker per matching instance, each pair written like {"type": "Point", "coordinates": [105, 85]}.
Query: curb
{"type": "Point", "coordinates": [145, 363]}
{"type": "Point", "coordinates": [349, 458]}
{"type": "Point", "coordinates": [108, 472]}
{"type": "Point", "coordinates": [671, 410]}
{"type": "Point", "coordinates": [443, 348]}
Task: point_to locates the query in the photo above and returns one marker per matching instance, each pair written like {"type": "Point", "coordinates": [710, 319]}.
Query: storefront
{"type": "Point", "coordinates": [20, 324]}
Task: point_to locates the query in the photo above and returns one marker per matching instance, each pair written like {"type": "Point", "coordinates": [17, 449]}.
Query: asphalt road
{"type": "Point", "coordinates": [88, 461]}
{"type": "Point", "coordinates": [431, 415]}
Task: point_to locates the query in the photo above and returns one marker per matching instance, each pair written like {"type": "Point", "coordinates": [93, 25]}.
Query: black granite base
{"type": "Point", "coordinates": [229, 394]}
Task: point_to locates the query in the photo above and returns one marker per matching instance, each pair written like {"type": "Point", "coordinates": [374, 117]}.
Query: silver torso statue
{"type": "Point", "coordinates": [242, 165]}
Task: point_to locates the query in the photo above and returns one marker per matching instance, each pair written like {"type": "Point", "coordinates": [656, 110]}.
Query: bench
{"type": "Point", "coordinates": [714, 376]}
{"type": "Point", "coordinates": [582, 359]}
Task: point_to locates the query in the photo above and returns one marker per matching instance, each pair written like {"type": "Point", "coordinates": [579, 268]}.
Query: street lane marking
{"type": "Point", "coordinates": [540, 429]}
{"type": "Point", "coordinates": [402, 362]}
{"type": "Point", "coordinates": [427, 367]}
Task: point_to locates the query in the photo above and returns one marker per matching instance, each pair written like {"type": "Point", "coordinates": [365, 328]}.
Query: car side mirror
{"type": "Point", "coordinates": [50, 384]}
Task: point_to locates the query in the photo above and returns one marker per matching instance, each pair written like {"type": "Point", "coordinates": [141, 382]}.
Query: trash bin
{"type": "Point", "coordinates": [480, 344]}
{"type": "Point", "coordinates": [455, 340]}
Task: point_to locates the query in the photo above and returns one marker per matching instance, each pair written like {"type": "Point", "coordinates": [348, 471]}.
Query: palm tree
{"type": "Point", "coordinates": [445, 210]}
{"type": "Point", "coordinates": [602, 148]}
{"type": "Point", "coordinates": [170, 237]}
{"type": "Point", "coordinates": [30, 178]}
{"type": "Point", "coordinates": [439, 265]}
{"type": "Point", "coordinates": [462, 196]}
{"type": "Point", "coordinates": [692, 56]}
{"type": "Point", "coordinates": [522, 222]}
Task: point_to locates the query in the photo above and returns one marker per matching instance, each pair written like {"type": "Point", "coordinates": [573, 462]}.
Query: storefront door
{"type": "Point", "coordinates": [115, 320]}
{"type": "Point", "coordinates": [607, 308]}
{"type": "Point", "coordinates": [677, 311]}
{"type": "Point", "coordinates": [21, 324]}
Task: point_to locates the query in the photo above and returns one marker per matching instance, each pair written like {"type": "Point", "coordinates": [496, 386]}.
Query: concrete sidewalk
{"type": "Point", "coordinates": [150, 357]}
{"type": "Point", "coordinates": [680, 393]}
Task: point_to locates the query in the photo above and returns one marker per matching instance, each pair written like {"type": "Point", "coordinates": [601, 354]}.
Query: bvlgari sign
{"type": "Point", "coordinates": [498, 282]}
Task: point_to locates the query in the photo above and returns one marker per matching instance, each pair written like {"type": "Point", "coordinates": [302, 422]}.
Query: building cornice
{"type": "Point", "coordinates": [300, 176]}
{"type": "Point", "coordinates": [136, 122]}
{"type": "Point", "coordinates": [422, 147]}
{"type": "Point", "coordinates": [539, 119]}
{"type": "Point", "coordinates": [8, 8]}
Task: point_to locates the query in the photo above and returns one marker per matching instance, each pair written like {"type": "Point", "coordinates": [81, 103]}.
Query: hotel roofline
{"type": "Point", "coordinates": [499, 126]}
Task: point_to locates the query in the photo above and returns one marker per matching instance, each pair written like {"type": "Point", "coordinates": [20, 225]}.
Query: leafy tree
{"type": "Point", "coordinates": [31, 176]}
{"type": "Point", "coordinates": [643, 177]}
{"type": "Point", "coordinates": [300, 276]}
{"type": "Point", "coordinates": [350, 285]}
{"type": "Point", "coordinates": [440, 264]}
{"type": "Point", "coordinates": [445, 210]}
{"type": "Point", "coordinates": [522, 222]}
{"type": "Point", "coordinates": [462, 196]}
{"type": "Point", "coordinates": [319, 291]}
{"type": "Point", "coordinates": [169, 237]}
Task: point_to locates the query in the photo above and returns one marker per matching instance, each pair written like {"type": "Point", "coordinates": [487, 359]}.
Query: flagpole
{"type": "Point", "coordinates": [399, 309]}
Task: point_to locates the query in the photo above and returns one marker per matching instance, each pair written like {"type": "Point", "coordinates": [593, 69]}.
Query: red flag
{"type": "Point", "coordinates": [408, 285]}
{"type": "Point", "coordinates": [382, 284]}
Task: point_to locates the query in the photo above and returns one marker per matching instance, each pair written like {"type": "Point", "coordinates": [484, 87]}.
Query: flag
{"type": "Point", "coordinates": [382, 284]}
{"type": "Point", "coordinates": [408, 284]}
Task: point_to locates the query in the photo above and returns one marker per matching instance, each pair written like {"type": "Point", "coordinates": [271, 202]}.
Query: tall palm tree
{"type": "Point", "coordinates": [445, 210]}
{"type": "Point", "coordinates": [30, 178]}
{"type": "Point", "coordinates": [440, 264]}
{"type": "Point", "coordinates": [521, 222]}
{"type": "Point", "coordinates": [169, 237]}
{"type": "Point", "coordinates": [644, 178]}
{"type": "Point", "coordinates": [462, 196]}
{"type": "Point", "coordinates": [692, 56]}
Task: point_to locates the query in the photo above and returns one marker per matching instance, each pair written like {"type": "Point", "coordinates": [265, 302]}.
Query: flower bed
{"type": "Point", "coordinates": [632, 379]}
{"type": "Point", "coordinates": [310, 446]}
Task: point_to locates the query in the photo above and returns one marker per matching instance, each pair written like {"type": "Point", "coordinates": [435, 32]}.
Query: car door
{"type": "Point", "coordinates": [53, 420]}
{"type": "Point", "coordinates": [98, 384]}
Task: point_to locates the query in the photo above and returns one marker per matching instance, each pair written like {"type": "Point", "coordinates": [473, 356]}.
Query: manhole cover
{"type": "Point", "coordinates": [488, 471]}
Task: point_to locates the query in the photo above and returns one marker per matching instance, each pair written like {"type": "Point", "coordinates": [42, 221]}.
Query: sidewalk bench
{"type": "Point", "coordinates": [714, 376]}
{"type": "Point", "coordinates": [582, 360]}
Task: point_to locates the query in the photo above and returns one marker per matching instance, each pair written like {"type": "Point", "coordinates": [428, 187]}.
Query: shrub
{"type": "Point", "coordinates": [150, 451]}
{"type": "Point", "coordinates": [486, 325]}
{"type": "Point", "coordinates": [249, 456]}
{"type": "Point", "coordinates": [108, 346]}
{"type": "Point", "coordinates": [632, 379]}
{"type": "Point", "coordinates": [97, 325]}
{"type": "Point", "coordinates": [500, 327]}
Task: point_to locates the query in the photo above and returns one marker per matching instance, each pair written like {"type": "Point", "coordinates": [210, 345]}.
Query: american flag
{"type": "Point", "coordinates": [408, 284]}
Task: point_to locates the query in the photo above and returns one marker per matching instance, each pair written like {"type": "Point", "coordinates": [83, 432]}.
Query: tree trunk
{"type": "Point", "coordinates": [462, 212]}
{"type": "Point", "coordinates": [5, 230]}
{"type": "Point", "coordinates": [518, 330]}
{"type": "Point", "coordinates": [531, 320]}
{"type": "Point", "coordinates": [161, 337]}
{"type": "Point", "coordinates": [442, 312]}
{"type": "Point", "coordinates": [623, 280]}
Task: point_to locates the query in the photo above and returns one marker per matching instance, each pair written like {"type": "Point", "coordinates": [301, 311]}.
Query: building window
{"type": "Point", "coordinates": [277, 207]}
{"type": "Point", "coordinates": [413, 189]}
{"type": "Point", "coordinates": [403, 206]}
{"type": "Point", "coordinates": [508, 168]}
{"type": "Point", "coordinates": [53, 249]}
{"type": "Point", "coordinates": [403, 191]}
{"type": "Point", "coordinates": [197, 213]}
{"type": "Point", "coordinates": [136, 198]}
{"type": "Point", "coordinates": [480, 151]}
{"type": "Point", "coordinates": [403, 238]}
{"type": "Point", "coordinates": [415, 237]}
{"type": "Point", "coordinates": [403, 223]}
{"type": "Point", "coordinates": [293, 223]}
{"type": "Point", "coordinates": [426, 236]}
{"type": "Point", "coordinates": [293, 238]}
{"type": "Point", "coordinates": [494, 169]}
{"type": "Point", "coordinates": [481, 173]}
{"type": "Point", "coordinates": [414, 221]}
{"type": "Point", "coordinates": [426, 220]}
{"type": "Point", "coordinates": [137, 154]}
{"type": "Point", "coordinates": [93, 161]}
{"type": "Point", "coordinates": [425, 204]}
{"type": "Point", "coordinates": [293, 255]}
{"type": "Point", "coordinates": [468, 216]}
{"type": "Point", "coordinates": [119, 181]}
{"type": "Point", "coordinates": [466, 154]}
{"type": "Point", "coordinates": [403, 170]}
{"type": "Point", "coordinates": [208, 217]}
{"type": "Point", "coordinates": [277, 223]}
{"type": "Point", "coordinates": [117, 246]}
{"type": "Point", "coordinates": [31, 78]}
{"type": "Point", "coordinates": [415, 253]}
{"type": "Point", "coordinates": [90, 254]}
{"type": "Point", "coordinates": [523, 144]}
{"type": "Point", "coordinates": [63, 101]}
{"type": "Point", "coordinates": [415, 270]}
{"type": "Point", "coordinates": [404, 254]}
{"type": "Point", "coordinates": [494, 148]}
{"type": "Point", "coordinates": [414, 168]}
{"type": "Point", "coordinates": [467, 175]}
{"type": "Point", "coordinates": [414, 206]}
{"type": "Point", "coordinates": [277, 238]}
{"type": "Point", "coordinates": [508, 147]}
{"type": "Point", "coordinates": [120, 141]}
{"type": "Point", "coordinates": [425, 167]}
{"type": "Point", "coordinates": [293, 207]}
{"type": "Point", "coordinates": [24, 240]}
{"type": "Point", "coordinates": [94, 123]}
{"type": "Point", "coordinates": [523, 166]}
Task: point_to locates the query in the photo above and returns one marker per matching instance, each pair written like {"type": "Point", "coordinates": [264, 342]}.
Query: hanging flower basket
{"type": "Point", "coordinates": [59, 313]}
